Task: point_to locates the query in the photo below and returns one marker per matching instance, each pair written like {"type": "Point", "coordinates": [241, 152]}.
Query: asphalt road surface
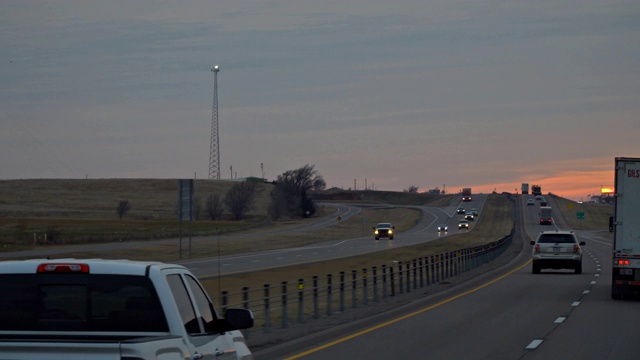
{"type": "Point", "coordinates": [508, 313]}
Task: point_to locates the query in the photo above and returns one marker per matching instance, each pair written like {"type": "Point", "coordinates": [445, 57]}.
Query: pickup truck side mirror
{"type": "Point", "coordinates": [234, 319]}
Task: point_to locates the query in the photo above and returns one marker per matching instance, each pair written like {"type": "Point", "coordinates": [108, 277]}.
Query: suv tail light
{"type": "Point", "coordinates": [576, 248]}
{"type": "Point", "coordinates": [536, 248]}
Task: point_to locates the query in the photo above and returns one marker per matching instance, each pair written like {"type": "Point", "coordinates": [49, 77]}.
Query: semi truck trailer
{"type": "Point", "coordinates": [625, 280]}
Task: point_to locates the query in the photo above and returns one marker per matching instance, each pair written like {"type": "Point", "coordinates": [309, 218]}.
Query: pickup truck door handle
{"type": "Point", "coordinates": [197, 356]}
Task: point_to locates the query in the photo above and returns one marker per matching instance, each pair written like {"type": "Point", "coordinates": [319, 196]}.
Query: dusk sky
{"type": "Point", "coordinates": [446, 93]}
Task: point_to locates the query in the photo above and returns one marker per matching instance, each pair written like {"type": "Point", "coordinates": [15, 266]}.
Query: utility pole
{"type": "Point", "coordinates": [214, 146]}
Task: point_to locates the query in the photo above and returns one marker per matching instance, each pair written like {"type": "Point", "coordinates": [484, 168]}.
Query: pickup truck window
{"type": "Point", "coordinates": [79, 302]}
{"type": "Point", "coordinates": [183, 301]}
{"type": "Point", "coordinates": [202, 301]}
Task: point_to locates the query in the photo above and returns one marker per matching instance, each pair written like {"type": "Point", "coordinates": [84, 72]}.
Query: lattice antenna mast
{"type": "Point", "coordinates": [214, 147]}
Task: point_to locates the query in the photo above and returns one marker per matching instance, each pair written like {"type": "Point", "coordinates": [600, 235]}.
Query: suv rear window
{"type": "Point", "coordinates": [556, 238]}
{"type": "Point", "coordinates": [79, 302]}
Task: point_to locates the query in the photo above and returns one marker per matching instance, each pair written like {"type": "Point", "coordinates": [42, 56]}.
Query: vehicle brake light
{"type": "Point", "coordinates": [576, 248]}
{"type": "Point", "coordinates": [536, 248]}
{"type": "Point", "coordinates": [622, 262]}
{"type": "Point", "coordinates": [63, 268]}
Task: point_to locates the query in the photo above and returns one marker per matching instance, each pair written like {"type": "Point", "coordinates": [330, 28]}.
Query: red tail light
{"type": "Point", "coordinates": [622, 262]}
{"type": "Point", "coordinates": [576, 248]}
{"type": "Point", "coordinates": [63, 268]}
{"type": "Point", "coordinates": [536, 248]}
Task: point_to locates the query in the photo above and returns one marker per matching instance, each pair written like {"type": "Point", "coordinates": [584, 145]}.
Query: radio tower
{"type": "Point", "coordinates": [214, 147]}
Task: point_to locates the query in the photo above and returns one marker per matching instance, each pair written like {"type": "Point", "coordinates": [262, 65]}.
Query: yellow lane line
{"type": "Point", "coordinates": [390, 322]}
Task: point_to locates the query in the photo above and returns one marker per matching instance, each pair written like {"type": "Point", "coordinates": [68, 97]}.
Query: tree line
{"type": "Point", "coordinates": [289, 198]}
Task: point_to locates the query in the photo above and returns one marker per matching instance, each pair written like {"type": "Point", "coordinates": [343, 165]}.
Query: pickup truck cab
{"type": "Point", "coordinates": [113, 309]}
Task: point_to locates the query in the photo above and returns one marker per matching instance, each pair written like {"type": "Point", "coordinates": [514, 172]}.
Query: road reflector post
{"type": "Point", "coordinates": [300, 299]}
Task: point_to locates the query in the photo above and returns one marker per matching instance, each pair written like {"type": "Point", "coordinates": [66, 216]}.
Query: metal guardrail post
{"type": "Point", "coordinates": [341, 291]}
{"type": "Point", "coordinates": [245, 297]}
{"type": "Point", "coordinates": [329, 292]}
{"type": "Point", "coordinates": [393, 286]}
{"type": "Point", "coordinates": [446, 266]}
{"type": "Point", "coordinates": [385, 293]}
{"type": "Point", "coordinates": [375, 283]}
{"type": "Point", "coordinates": [433, 269]}
{"type": "Point", "coordinates": [266, 308]}
{"type": "Point", "coordinates": [284, 304]}
{"type": "Point", "coordinates": [400, 277]}
{"type": "Point", "coordinates": [316, 308]}
{"type": "Point", "coordinates": [300, 299]}
{"type": "Point", "coordinates": [427, 266]}
{"type": "Point", "coordinates": [225, 301]}
{"type": "Point", "coordinates": [420, 266]}
{"type": "Point", "coordinates": [415, 274]}
{"type": "Point", "coordinates": [365, 291]}
{"type": "Point", "coordinates": [408, 275]}
{"type": "Point", "coordinates": [354, 285]}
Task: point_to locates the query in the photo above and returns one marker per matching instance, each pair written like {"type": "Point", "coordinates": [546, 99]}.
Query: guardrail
{"type": "Point", "coordinates": [285, 304]}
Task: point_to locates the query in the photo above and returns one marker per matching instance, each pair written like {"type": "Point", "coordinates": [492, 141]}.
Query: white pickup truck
{"type": "Point", "coordinates": [112, 309]}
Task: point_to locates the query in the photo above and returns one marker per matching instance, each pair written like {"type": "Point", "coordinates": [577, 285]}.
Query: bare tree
{"type": "Point", "coordinates": [197, 207]}
{"type": "Point", "coordinates": [123, 208]}
{"type": "Point", "coordinates": [240, 198]}
{"type": "Point", "coordinates": [411, 189]}
{"type": "Point", "coordinates": [289, 197]}
{"type": "Point", "coordinates": [214, 207]}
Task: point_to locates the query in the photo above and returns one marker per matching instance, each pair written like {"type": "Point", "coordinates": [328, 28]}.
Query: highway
{"type": "Point", "coordinates": [508, 313]}
{"type": "Point", "coordinates": [424, 231]}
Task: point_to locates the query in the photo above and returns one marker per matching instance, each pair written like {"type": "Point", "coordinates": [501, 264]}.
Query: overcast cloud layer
{"type": "Point", "coordinates": [486, 94]}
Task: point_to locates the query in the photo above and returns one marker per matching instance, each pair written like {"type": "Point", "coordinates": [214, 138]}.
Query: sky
{"type": "Point", "coordinates": [384, 94]}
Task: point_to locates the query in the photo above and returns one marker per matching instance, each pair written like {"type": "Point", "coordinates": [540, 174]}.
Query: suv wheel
{"type": "Point", "coordinates": [579, 268]}
{"type": "Point", "coordinates": [535, 268]}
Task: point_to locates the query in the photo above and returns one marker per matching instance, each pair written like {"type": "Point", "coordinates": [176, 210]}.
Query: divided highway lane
{"type": "Point", "coordinates": [509, 313]}
{"type": "Point", "coordinates": [425, 230]}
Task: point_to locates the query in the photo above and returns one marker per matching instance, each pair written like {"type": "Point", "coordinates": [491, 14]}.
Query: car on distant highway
{"type": "Point", "coordinates": [383, 230]}
{"type": "Point", "coordinates": [474, 212]}
{"type": "Point", "coordinates": [460, 211]}
{"type": "Point", "coordinates": [443, 227]}
{"type": "Point", "coordinates": [530, 202]}
{"type": "Point", "coordinates": [463, 224]}
{"type": "Point", "coordinates": [469, 216]}
{"type": "Point", "coordinates": [557, 249]}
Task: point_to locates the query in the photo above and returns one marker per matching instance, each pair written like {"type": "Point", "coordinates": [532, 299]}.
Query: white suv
{"type": "Point", "coordinates": [557, 250]}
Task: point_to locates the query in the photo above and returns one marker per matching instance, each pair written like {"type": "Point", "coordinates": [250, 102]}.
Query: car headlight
{"type": "Point", "coordinates": [390, 231]}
